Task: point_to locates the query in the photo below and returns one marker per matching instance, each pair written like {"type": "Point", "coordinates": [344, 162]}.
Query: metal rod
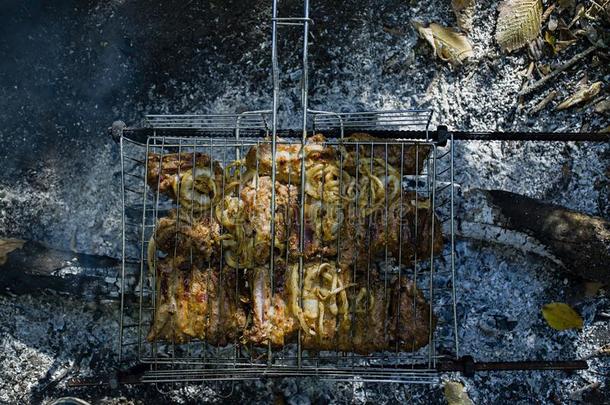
{"type": "Point", "coordinates": [123, 251]}
{"type": "Point", "coordinates": [468, 366]}
{"type": "Point", "coordinates": [465, 365]}
{"type": "Point", "coordinates": [140, 134]}
{"type": "Point", "coordinates": [275, 79]}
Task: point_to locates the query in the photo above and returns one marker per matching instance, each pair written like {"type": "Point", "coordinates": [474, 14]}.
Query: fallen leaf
{"type": "Point", "coordinates": [448, 44]}
{"type": "Point", "coordinates": [603, 106]}
{"type": "Point", "coordinates": [455, 394]}
{"type": "Point", "coordinates": [551, 40]}
{"type": "Point", "coordinates": [581, 96]}
{"type": "Point", "coordinates": [464, 13]}
{"type": "Point", "coordinates": [561, 316]}
{"type": "Point", "coordinates": [518, 23]}
{"type": "Point", "coordinates": [7, 246]}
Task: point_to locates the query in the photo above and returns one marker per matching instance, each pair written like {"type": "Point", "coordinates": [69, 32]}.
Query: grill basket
{"type": "Point", "coordinates": [224, 139]}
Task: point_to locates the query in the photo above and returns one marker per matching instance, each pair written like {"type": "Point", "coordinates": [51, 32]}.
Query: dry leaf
{"type": "Point", "coordinates": [464, 13]}
{"type": "Point", "coordinates": [561, 316]}
{"type": "Point", "coordinates": [448, 44]}
{"type": "Point", "coordinates": [455, 394]}
{"type": "Point", "coordinates": [518, 23]}
{"type": "Point", "coordinates": [582, 95]}
{"type": "Point", "coordinates": [551, 40]}
{"type": "Point", "coordinates": [603, 106]}
{"type": "Point", "coordinates": [7, 246]}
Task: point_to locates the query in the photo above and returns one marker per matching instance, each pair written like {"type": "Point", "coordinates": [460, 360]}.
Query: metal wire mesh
{"type": "Point", "coordinates": [429, 184]}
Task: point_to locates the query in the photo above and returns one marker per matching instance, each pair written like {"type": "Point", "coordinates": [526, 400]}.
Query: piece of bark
{"type": "Point", "coordinates": [35, 267]}
{"type": "Point", "coordinates": [579, 241]}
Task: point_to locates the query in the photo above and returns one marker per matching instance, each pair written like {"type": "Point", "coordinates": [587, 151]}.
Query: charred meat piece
{"type": "Point", "coordinates": [406, 230]}
{"type": "Point", "coordinates": [366, 316]}
{"type": "Point", "coordinates": [196, 304]}
{"type": "Point", "coordinates": [164, 172]}
{"type": "Point", "coordinates": [371, 330]}
{"type": "Point", "coordinates": [417, 235]}
{"type": "Point", "coordinates": [288, 158]}
{"type": "Point", "coordinates": [180, 235]}
{"type": "Point", "coordinates": [390, 316]}
{"type": "Point", "coordinates": [411, 156]}
{"type": "Point", "coordinates": [410, 316]}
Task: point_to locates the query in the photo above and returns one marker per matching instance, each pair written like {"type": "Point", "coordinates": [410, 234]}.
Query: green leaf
{"type": "Point", "coordinates": [561, 316]}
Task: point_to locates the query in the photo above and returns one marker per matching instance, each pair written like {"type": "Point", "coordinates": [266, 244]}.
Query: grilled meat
{"type": "Point", "coordinates": [406, 231]}
{"type": "Point", "coordinates": [412, 157]}
{"type": "Point", "coordinates": [181, 235]}
{"type": "Point", "coordinates": [250, 234]}
{"type": "Point", "coordinates": [363, 317]}
{"type": "Point", "coordinates": [271, 318]}
{"type": "Point", "coordinates": [410, 316]}
{"type": "Point", "coordinates": [166, 173]}
{"type": "Point", "coordinates": [334, 305]}
{"type": "Point", "coordinates": [247, 221]}
{"type": "Point", "coordinates": [196, 304]}
{"type": "Point", "coordinates": [288, 158]}
{"type": "Point", "coordinates": [332, 311]}
{"type": "Point", "coordinates": [321, 306]}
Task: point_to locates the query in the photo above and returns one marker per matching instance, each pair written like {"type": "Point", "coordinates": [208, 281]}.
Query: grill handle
{"type": "Point", "coordinates": [532, 136]}
{"type": "Point", "coordinates": [467, 366]}
{"type": "Point", "coordinates": [441, 135]}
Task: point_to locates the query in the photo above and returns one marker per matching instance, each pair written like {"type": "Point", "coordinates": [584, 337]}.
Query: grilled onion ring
{"type": "Point", "coordinates": [196, 189]}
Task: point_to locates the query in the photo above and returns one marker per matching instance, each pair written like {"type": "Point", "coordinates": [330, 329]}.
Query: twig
{"type": "Point", "coordinates": [547, 13]}
{"type": "Point", "coordinates": [557, 71]}
{"type": "Point", "coordinates": [540, 106]}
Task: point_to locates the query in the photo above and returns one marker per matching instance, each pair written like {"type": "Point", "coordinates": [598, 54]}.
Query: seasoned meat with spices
{"type": "Point", "coordinates": [365, 315]}
{"type": "Point", "coordinates": [413, 155]}
{"type": "Point", "coordinates": [164, 172]}
{"type": "Point", "coordinates": [271, 320]}
{"type": "Point", "coordinates": [196, 304]}
{"type": "Point", "coordinates": [288, 157]}
{"type": "Point", "coordinates": [182, 235]}
{"type": "Point", "coordinates": [405, 230]}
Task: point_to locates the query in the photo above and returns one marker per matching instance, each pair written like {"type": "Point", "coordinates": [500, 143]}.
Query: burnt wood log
{"type": "Point", "coordinates": [574, 240]}
{"type": "Point", "coordinates": [29, 267]}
